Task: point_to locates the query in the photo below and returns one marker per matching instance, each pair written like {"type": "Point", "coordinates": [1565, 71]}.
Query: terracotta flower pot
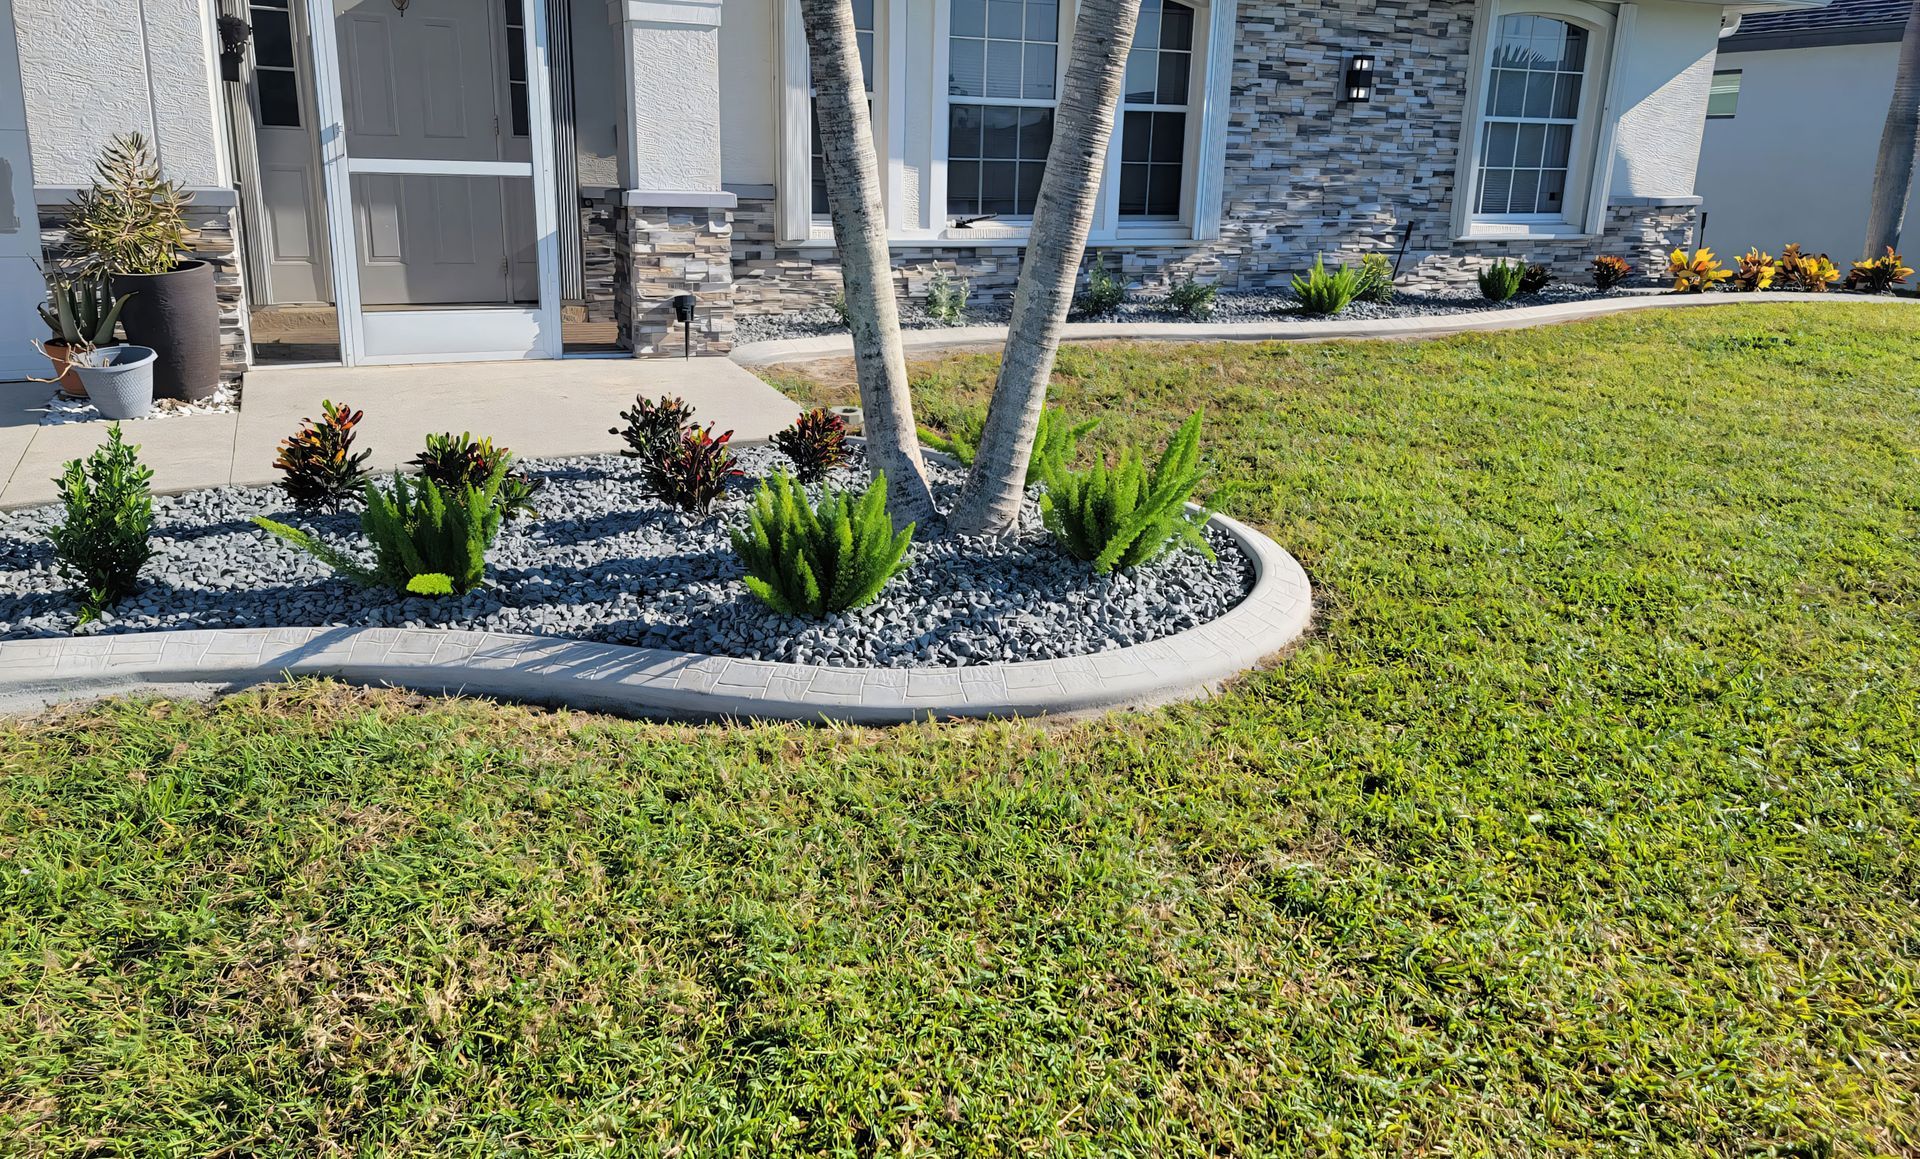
{"type": "Point", "coordinates": [177, 314]}
{"type": "Point", "coordinates": [70, 384]}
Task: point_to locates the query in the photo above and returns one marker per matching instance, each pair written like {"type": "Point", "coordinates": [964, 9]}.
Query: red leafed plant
{"type": "Point", "coordinates": [816, 442]}
{"type": "Point", "coordinates": [692, 474]}
{"type": "Point", "coordinates": [321, 469]}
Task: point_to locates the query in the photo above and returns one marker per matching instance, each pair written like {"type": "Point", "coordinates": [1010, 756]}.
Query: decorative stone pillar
{"type": "Point", "coordinates": [675, 223]}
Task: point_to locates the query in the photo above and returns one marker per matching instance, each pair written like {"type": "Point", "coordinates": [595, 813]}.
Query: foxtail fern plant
{"type": "Point", "coordinates": [426, 540]}
{"type": "Point", "coordinates": [1124, 516]}
{"type": "Point", "coordinates": [1056, 439]}
{"type": "Point", "coordinates": [804, 560]}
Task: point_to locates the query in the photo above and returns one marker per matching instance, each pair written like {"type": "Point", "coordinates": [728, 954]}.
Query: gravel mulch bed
{"type": "Point", "coordinates": [1236, 306]}
{"type": "Point", "coordinates": [605, 562]}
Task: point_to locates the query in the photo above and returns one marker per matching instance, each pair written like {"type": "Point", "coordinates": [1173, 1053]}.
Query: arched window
{"type": "Point", "coordinates": [1538, 108]}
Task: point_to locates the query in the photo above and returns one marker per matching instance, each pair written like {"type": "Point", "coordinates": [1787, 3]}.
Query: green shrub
{"type": "Point", "coordinates": [946, 298]}
{"type": "Point", "coordinates": [1123, 516]}
{"type": "Point", "coordinates": [652, 427]}
{"type": "Point", "coordinates": [1501, 280]}
{"type": "Point", "coordinates": [692, 474]}
{"type": "Point", "coordinates": [104, 540]}
{"type": "Point", "coordinates": [454, 461]}
{"type": "Point", "coordinates": [803, 560]}
{"type": "Point", "coordinates": [322, 470]}
{"type": "Point", "coordinates": [1055, 441]}
{"type": "Point", "coordinates": [1193, 299]}
{"type": "Point", "coordinates": [1535, 278]}
{"type": "Point", "coordinates": [1326, 293]}
{"type": "Point", "coordinates": [838, 304]}
{"type": "Point", "coordinates": [816, 443]}
{"type": "Point", "coordinates": [418, 531]}
{"type": "Point", "coordinates": [1104, 294]}
{"type": "Point", "coordinates": [1374, 280]}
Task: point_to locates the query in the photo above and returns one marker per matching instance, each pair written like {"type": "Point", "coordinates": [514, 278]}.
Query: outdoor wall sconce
{"type": "Point", "coordinates": [400, 6]}
{"type": "Point", "coordinates": [234, 34]}
{"type": "Point", "coordinates": [683, 314]}
{"type": "Point", "coordinates": [1360, 79]}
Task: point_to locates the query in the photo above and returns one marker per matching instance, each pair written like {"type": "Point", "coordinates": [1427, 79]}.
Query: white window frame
{"type": "Point", "coordinates": [1590, 169]}
{"type": "Point", "coordinates": [1204, 162]}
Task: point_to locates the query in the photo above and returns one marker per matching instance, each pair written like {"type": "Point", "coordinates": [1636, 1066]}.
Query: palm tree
{"type": "Point", "coordinates": [1899, 141]}
{"type": "Point", "coordinates": [860, 233]}
{"type": "Point", "coordinates": [1083, 125]}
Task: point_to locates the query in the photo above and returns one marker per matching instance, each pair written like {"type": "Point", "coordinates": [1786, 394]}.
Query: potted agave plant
{"type": "Point", "coordinates": [130, 226]}
{"type": "Point", "coordinates": [82, 314]}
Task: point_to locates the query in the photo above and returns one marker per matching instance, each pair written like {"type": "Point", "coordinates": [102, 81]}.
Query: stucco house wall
{"type": "Point", "coordinates": [1795, 162]}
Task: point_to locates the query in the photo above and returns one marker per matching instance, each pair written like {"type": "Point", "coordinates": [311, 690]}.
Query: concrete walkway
{"type": "Point", "coordinates": [959, 338]}
{"type": "Point", "coordinates": [537, 408]}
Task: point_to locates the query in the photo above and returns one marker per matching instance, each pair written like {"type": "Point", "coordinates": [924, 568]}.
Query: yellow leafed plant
{"type": "Point", "coordinates": [1755, 271]}
{"type": "Point", "coordinates": [1878, 275]}
{"type": "Point", "coordinates": [1810, 272]}
{"type": "Point", "coordinates": [1691, 275]}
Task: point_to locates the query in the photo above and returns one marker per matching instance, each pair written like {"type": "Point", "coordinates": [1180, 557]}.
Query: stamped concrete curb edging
{"type": "Point", "coordinates": [960, 338]}
{"type": "Point", "coordinates": [661, 683]}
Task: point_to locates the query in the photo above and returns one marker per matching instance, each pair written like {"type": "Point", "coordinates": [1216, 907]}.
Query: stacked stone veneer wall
{"type": "Point", "coordinates": [661, 252]}
{"type": "Point", "coordinates": [1305, 174]}
{"type": "Point", "coordinates": [213, 237]}
{"type": "Point", "coordinates": [599, 229]}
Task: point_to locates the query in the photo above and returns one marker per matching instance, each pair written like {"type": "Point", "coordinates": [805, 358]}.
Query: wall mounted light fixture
{"type": "Point", "coordinates": [400, 6]}
{"type": "Point", "coordinates": [1359, 79]}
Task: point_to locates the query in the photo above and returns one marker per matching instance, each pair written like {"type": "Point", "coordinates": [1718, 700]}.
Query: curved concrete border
{"type": "Point", "coordinates": [661, 683]}
{"type": "Point", "coordinates": [959, 338]}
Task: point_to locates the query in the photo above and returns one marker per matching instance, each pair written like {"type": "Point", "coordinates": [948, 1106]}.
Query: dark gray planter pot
{"type": "Point", "coordinates": [178, 315]}
{"type": "Point", "coordinates": [119, 380]}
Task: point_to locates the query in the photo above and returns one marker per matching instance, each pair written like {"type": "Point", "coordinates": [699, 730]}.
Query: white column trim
{"type": "Point", "coordinates": [677, 13]}
{"type": "Point", "coordinates": [792, 195]}
{"type": "Point", "coordinates": [1210, 169]}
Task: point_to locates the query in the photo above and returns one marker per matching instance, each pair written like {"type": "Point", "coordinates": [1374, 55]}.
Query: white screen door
{"type": "Point", "coordinates": [437, 147]}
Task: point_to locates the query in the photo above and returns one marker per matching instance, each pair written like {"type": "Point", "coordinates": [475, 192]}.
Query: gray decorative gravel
{"type": "Point", "coordinates": [1229, 306]}
{"type": "Point", "coordinates": [605, 562]}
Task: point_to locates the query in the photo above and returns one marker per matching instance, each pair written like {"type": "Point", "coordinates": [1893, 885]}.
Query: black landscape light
{"type": "Point", "coordinates": [683, 314]}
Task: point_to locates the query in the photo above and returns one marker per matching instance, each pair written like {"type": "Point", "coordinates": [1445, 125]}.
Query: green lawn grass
{"type": "Point", "coordinates": [1585, 823]}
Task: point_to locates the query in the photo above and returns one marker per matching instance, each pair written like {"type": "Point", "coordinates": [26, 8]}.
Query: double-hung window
{"type": "Point", "coordinates": [1538, 109]}
{"type": "Point", "coordinates": [965, 96]}
{"type": "Point", "coordinates": [863, 25]}
{"type": "Point", "coordinates": [1153, 118]}
{"type": "Point", "coordinates": [1003, 74]}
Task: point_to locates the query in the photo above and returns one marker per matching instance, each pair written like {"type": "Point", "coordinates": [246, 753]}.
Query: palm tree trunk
{"type": "Point", "coordinates": [860, 234]}
{"type": "Point", "coordinates": [1899, 141]}
{"type": "Point", "coordinates": [1083, 126]}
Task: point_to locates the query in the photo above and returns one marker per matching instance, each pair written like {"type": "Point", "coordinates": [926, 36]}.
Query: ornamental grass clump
{"type": "Point", "coordinates": [1754, 271]}
{"type": "Point", "coordinates": [105, 538]}
{"type": "Point", "coordinates": [653, 427]}
{"type": "Point", "coordinates": [1693, 274]}
{"type": "Point", "coordinates": [1878, 275]}
{"type": "Point", "coordinates": [1324, 293]}
{"type": "Point", "coordinates": [427, 540]}
{"type": "Point", "coordinates": [322, 471]}
{"type": "Point", "coordinates": [1500, 281]}
{"type": "Point", "coordinates": [1609, 271]}
{"type": "Point", "coordinates": [692, 474]}
{"type": "Point", "coordinates": [807, 560]}
{"type": "Point", "coordinates": [1808, 273]}
{"type": "Point", "coordinates": [816, 443]}
{"type": "Point", "coordinates": [453, 461]}
{"type": "Point", "coordinates": [1124, 516]}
